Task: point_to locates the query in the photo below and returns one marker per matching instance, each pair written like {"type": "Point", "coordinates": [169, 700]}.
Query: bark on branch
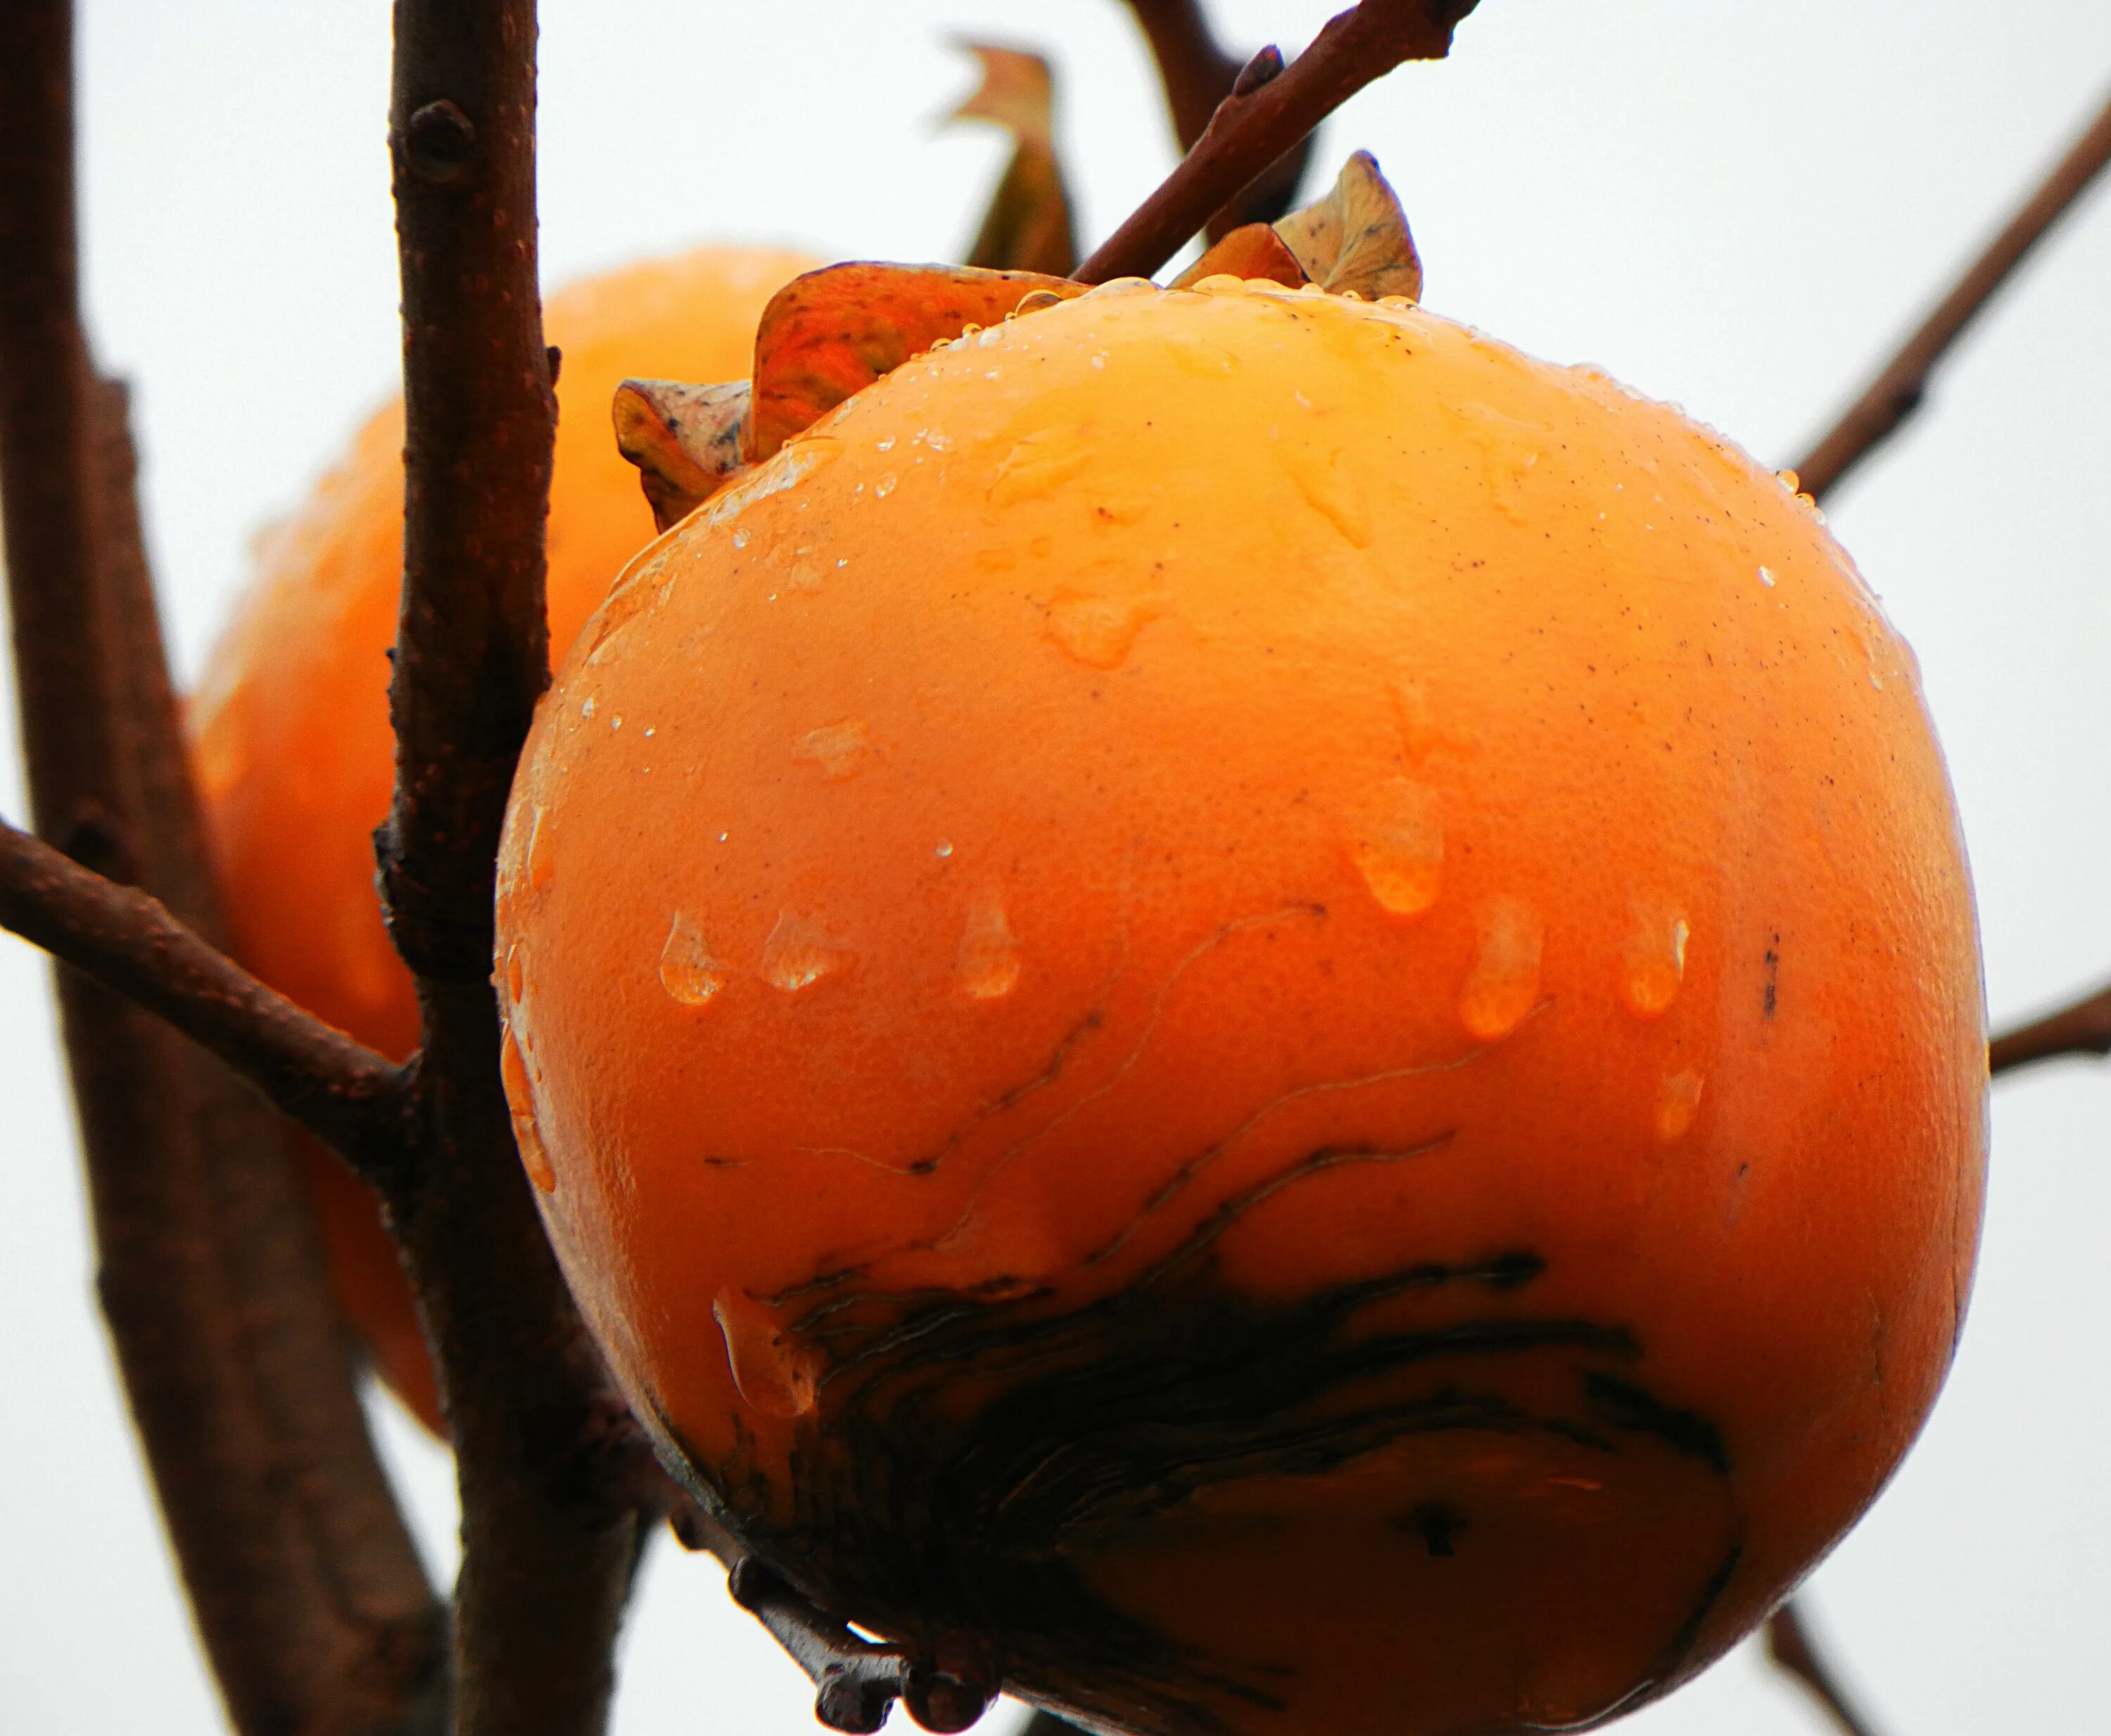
{"type": "Point", "coordinates": [1788, 1645]}
{"type": "Point", "coordinates": [1197, 74]}
{"type": "Point", "coordinates": [1270, 109]}
{"type": "Point", "coordinates": [307, 1593]}
{"type": "Point", "coordinates": [1901, 385]}
{"type": "Point", "coordinates": [547, 1460]}
{"type": "Point", "coordinates": [2082, 1028]}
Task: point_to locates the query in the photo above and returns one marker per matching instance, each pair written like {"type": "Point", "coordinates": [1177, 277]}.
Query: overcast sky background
{"type": "Point", "coordinates": [1734, 204]}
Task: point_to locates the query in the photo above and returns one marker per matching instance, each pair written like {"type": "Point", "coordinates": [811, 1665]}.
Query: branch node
{"type": "Point", "coordinates": [441, 146]}
{"type": "Point", "coordinates": [1257, 71]}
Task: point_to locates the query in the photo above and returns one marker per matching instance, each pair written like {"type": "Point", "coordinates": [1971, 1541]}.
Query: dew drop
{"type": "Point", "coordinates": [1330, 492]}
{"type": "Point", "coordinates": [884, 446]}
{"type": "Point", "coordinates": [839, 749]}
{"type": "Point", "coordinates": [1767, 577]}
{"type": "Point", "coordinates": [884, 487]}
{"type": "Point", "coordinates": [540, 870]}
{"type": "Point", "coordinates": [1677, 1104]}
{"type": "Point", "coordinates": [740, 538]}
{"type": "Point", "coordinates": [1653, 959]}
{"type": "Point", "coordinates": [516, 974]}
{"type": "Point", "coordinates": [1097, 631]}
{"type": "Point", "coordinates": [1503, 986]}
{"type": "Point", "coordinates": [771, 1373]}
{"type": "Point", "coordinates": [1419, 733]}
{"type": "Point", "coordinates": [527, 1136]}
{"type": "Point", "coordinates": [806, 576]}
{"type": "Point", "coordinates": [689, 970]}
{"type": "Point", "coordinates": [1039, 464]}
{"type": "Point", "coordinates": [945, 847]}
{"type": "Point", "coordinates": [986, 967]}
{"type": "Point", "coordinates": [589, 707]}
{"type": "Point", "coordinates": [938, 442]}
{"type": "Point", "coordinates": [799, 953]}
{"type": "Point", "coordinates": [1400, 851]}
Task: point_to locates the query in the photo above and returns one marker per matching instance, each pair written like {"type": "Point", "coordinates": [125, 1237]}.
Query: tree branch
{"type": "Point", "coordinates": [1197, 74]}
{"type": "Point", "coordinates": [1270, 108]}
{"type": "Point", "coordinates": [1899, 387]}
{"type": "Point", "coordinates": [307, 1593]}
{"type": "Point", "coordinates": [338, 1089]}
{"type": "Point", "coordinates": [1788, 1644]}
{"type": "Point", "coordinates": [549, 1463]}
{"type": "Point", "coordinates": [2082, 1028]}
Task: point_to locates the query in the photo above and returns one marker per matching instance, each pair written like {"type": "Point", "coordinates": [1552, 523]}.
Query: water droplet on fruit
{"type": "Point", "coordinates": [527, 1136]}
{"type": "Point", "coordinates": [740, 538]}
{"type": "Point", "coordinates": [1115, 288]}
{"type": "Point", "coordinates": [588, 707]}
{"type": "Point", "coordinates": [687, 969]}
{"type": "Point", "coordinates": [796, 460]}
{"type": "Point", "coordinates": [1220, 283]}
{"type": "Point", "coordinates": [945, 847]}
{"type": "Point", "coordinates": [884, 487]}
{"type": "Point", "coordinates": [1399, 852]}
{"type": "Point", "coordinates": [839, 749]}
{"type": "Point", "coordinates": [806, 576]}
{"type": "Point", "coordinates": [1503, 986]}
{"type": "Point", "coordinates": [771, 1373]}
{"type": "Point", "coordinates": [1196, 355]}
{"type": "Point", "coordinates": [799, 953]}
{"type": "Point", "coordinates": [540, 871]}
{"type": "Point", "coordinates": [1677, 1105]}
{"type": "Point", "coordinates": [1330, 491]}
{"type": "Point", "coordinates": [1097, 630]}
{"type": "Point", "coordinates": [516, 974]}
{"type": "Point", "coordinates": [1655, 960]}
{"type": "Point", "coordinates": [988, 966]}
{"type": "Point", "coordinates": [1039, 464]}
{"type": "Point", "coordinates": [1767, 577]}
{"type": "Point", "coordinates": [938, 442]}
{"type": "Point", "coordinates": [1789, 480]}
{"type": "Point", "coordinates": [1418, 723]}
{"type": "Point", "coordinates": [884, 446]}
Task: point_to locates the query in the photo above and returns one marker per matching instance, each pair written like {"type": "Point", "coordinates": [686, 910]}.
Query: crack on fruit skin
{"type": "Point", "coordinates": [974, 1454]}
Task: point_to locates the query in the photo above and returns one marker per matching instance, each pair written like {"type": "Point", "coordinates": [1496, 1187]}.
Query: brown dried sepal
{"type": "Point", "coordinates": [833, 332]}
{"type": "Point", "coordinates": [685, 440]}
{"type": "Point", "coordinates": [1028, 226]}
{"type": "Point", "coordinates": [1356, 239]}
{"type": "Point", "coordinates": [1252, 250]}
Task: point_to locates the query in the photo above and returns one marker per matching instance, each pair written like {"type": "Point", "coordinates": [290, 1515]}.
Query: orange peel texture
{"type": "Point", "coordinates": [1267, 1002]}
{"type": "Point", "coordinates": [290, 722]}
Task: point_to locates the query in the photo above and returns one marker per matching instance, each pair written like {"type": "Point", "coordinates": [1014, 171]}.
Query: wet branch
{"type": "Point", "coordinates": [341, 1091]}
{"type": "Point", "coordinates": [557, 1485]}
{"type": "Point", "coordinates": [1271, 109]}
{"type": "Point", "coordinates": [307, 1590]}
{"type": "Point", "coordinates": [1197, 73]}
{"type": "Point", "coordinates": [2082, 1028]}
{"type": "Point", "coordinates": [1788, 1645]}
{"type": "Point", "coordinates": [1898, 390]}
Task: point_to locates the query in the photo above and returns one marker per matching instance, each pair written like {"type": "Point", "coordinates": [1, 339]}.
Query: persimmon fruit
{"type": "Point", "coordinates": [290, 721]}
{"type": "Point", "coordinates": [1263, 1005]}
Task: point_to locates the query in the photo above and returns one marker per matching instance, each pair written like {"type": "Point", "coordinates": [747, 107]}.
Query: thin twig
{"type": "Point", "coordinates": [1898, 389]}
{"type": "Point", "coordinates": [1197, 74]}
{"type": "Point", "coordinates": [856, 1680]}
{"type": "Point", "coordinates": [307, 1592]}
{"type": "Point", "coordinates": [2082, 1028]}
{"type": "Point", "coordinates": [548, 1462]}
{"type": "Point", "coordinates": [1788, 1644]}
{"type": "Point", "coordinates": [338, 1089]}
{"type": "Point", "coordinates": [1267, 113]}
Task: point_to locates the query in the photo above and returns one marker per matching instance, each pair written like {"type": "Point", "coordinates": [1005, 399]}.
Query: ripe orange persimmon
{"type": "Point", "coordinates": [1264, 1003]}
{"type": "Point", "coordinates": [291, 719]}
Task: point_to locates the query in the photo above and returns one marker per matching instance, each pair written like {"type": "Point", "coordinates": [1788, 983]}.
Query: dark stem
{"type": "Point", "coordinates": [2082, 1028]}
{"type": "Point", "coordinates": [1197, 74]}
{"type": "Point", "coordinates": [547, 1460]}
{"type": "Point", "coordinates": [1898, 389]}
{"type": "Point", "coordinates": [307, 1593]}
{"type": "Point", "coordinates": [344, 1093]}
{"type": "Point", "coordinates": [1788, 1644]}
{"type": "Point", "coordinates": [1263, 118]}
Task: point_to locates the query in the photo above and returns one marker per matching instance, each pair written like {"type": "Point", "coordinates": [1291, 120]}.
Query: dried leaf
{"type": "Point", "coordinates": [833, 332]}
{"type": "Point", "coordinates": [1356, 238]}
{"type": "Point", "coordinates": [684, 439]}
{"type": "Point", "coordinates": [1028, 226]}
{"type": "Point", "coordinates": [1252, 250]}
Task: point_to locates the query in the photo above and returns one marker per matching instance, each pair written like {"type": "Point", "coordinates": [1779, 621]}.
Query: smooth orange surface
{"type": "Point", "coordinates": [291, 719]}
{"type": "Point", "coordinates": [1177, 807]}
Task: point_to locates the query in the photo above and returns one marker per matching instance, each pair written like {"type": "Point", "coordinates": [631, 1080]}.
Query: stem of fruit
{"type": "Point", "coordinates": [1901, 384]}
{"type": "Point", "coordinates": [1197, 75]}
{"type": "Point", "coordinates": [1267, 113]}
{"type": "Point", "coordinates": [306, 1589]}
{"type": "Point", "coordinates": [1788, 1644]}
{"type": "Point", "coordinates": [549, 1463]}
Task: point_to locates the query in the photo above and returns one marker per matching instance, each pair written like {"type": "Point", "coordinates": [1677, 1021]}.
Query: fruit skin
{"type": "Point", "coordinates": [1271, 1004]}
{"type": "Point", "coordinates": [290, 721]}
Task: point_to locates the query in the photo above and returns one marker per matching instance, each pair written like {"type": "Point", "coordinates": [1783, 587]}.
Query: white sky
{"type": "Point", "coordinates": [1731, 203]}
